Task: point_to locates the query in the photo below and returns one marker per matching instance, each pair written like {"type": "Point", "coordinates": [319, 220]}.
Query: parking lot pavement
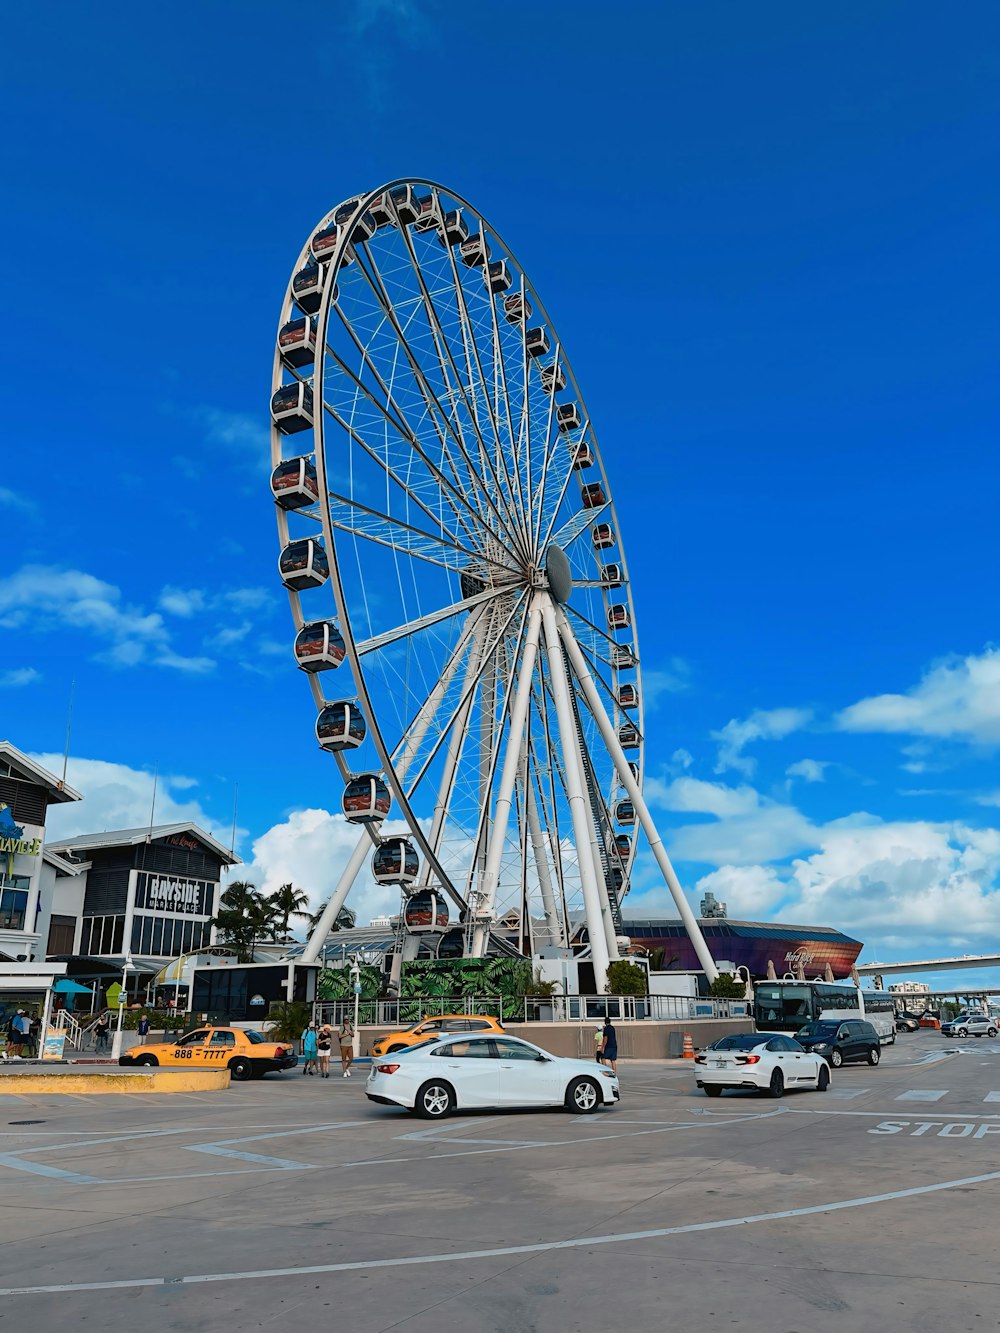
{"type": "Point", "coordinates": [291, 1199]}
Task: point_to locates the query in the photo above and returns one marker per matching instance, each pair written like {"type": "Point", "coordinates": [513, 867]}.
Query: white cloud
{"type": "Point", "coordinates": [751, 893]}
{"type": "Point", "coordinates": [310, 849]}
{"type": "Point", "coordinates": [692, 795]}
{"type": "Point", "coordinates": [39, 598]}
{"type": "Point", "coordinates": [762, 725]}
{"type": "Point", "coordinates": [182, 602]}
{"type": "Point", "coordinates": [116, 796]}
{"type": "Point", "coordinates": [810, 770]}
{"type": "Point", "coordinates": [14, 500]}
{"type": "Point", "coordinates": [247, 435]}
{"type": "Point", "coordinates": [769, 832]}
{"type": "Point", "coordinates": [989, 798]}
{"type": "Point", "coordinates": [958, 698]}
{"type": "Point", "coordinates": [656, 682]}
{"type": "Point", "coordinates": [18, 676]}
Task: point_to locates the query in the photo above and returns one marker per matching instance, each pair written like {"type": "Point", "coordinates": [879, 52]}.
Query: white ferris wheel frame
{"type": "Point", "coordinates": [542, 632]}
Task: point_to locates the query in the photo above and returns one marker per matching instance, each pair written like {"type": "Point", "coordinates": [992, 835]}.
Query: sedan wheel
{"type": "Point", "coordinates": [836, 1059]}
{"type": "Point", "coordinates": [712, 1090]}
{"type": "Point", "coordinates": [777, 1085]}
{"type": "Point", "coordinates": [991, 1032]}
{"type": "Point", "coordinates": [961, 1032]}
{"type": "Point", "coordinates": [823, 1081]}
{"type": "Point", "coordinates": [434, 1101]}
{"type": "Point", "coordinates": [583, 1095]}
{"type": "Point", "coordinates": [874, 1055]}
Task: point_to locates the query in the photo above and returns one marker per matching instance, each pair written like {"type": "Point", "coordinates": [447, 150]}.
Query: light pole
{"type": "Point", "coordinates": [127, 967]}
{"type": "Point", "coordinates": [742, 971]}
{"type": "Point", "coordinates": [356, 979]}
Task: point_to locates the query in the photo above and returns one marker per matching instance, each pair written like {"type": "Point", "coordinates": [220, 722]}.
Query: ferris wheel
{"type": "Point", "coordinates": [477, 672]}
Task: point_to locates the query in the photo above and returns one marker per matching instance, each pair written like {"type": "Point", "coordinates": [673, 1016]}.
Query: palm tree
{"type": "Point", "coordinates": [346, 919]}
{"type": "Point", "coordinates": [287, 902]}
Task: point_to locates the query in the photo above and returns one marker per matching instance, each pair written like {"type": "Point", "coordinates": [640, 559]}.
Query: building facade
{"type": "Point", "coordinates": [148, 892]}
{"type": "Point", "coordinates": [26, 792]}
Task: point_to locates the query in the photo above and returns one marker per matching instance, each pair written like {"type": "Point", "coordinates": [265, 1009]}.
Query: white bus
{"type": "Point", "coordinates": [787, 1006]}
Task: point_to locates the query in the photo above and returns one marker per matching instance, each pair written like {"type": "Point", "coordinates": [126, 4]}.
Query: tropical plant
{"type": "Point", "coordinates": [536, 986]}
{"type": "Point", "coordinates": [287, 1021]}
{"type": "Point", "coordinates": [244, 917]}
{"type": "Point", "coordinates": [727, 987]}
{"type": "Point", "coordinates": [625, 978]}
{"type": "Point", "coordinates": [287, 902]}
{"type": "Point", "coordinates": [346, 919]}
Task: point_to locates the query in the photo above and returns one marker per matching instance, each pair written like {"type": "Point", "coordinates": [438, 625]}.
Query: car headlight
{"type": "Point", "coordinates": [608, 1074]}
{"type": "Point", "coordinates": [822, 1046]}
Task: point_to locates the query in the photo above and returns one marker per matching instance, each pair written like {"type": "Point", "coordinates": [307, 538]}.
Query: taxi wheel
{"type": "Point", "coordinates": [241, 1069]}
{"type": "Point", "coordinates": [146, 1060]}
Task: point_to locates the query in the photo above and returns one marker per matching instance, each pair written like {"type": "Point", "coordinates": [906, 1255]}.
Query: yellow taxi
{"type": "Point", "coordinates": [245, 1053]}
{"type": "Point", "coordinates": [432, 1027]}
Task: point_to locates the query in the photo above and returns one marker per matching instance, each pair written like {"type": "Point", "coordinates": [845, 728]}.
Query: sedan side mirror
{"type": "Point", "coordinates": [542, 1059]}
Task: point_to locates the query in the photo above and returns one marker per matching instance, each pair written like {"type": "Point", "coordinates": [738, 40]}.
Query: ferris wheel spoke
{"type": "Point", "coordinates": [373, 525]}
{"type": "Point", "coordinates": [500, 394]}
{"type": "Point", "coordinates": [484, 667]}
{"type": "Point", "coordinates": [570, 473]}
{"type": "Point", "coordinates": [550, 447]}
{"type": "Point", "coordinates": [455, 499]}
{"type": "Point", "coordinates": [441, 340]}
{"type": "Point", "coordinates": [437, 414]}
{"type": "Point", "coordinates": [425, 622]}
{"type": "Point", "coordinates": [472, 355]}
{"type": "Point", "coordinates": [571, 531]}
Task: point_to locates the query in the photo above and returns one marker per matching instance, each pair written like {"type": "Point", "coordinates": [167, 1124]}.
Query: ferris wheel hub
{"type": "Point", "coordinates": [559, 574]}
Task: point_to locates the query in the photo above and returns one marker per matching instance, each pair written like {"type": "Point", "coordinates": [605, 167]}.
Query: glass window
{"type": "Point", "coordinates": [147, 934]}
{"type": "Point", "coordinates": [194, 1038]}
{"type": "Point", "coordinates": [157, 938]}
{"type": "Point", "coordinates": [13, 906]}
{"type": "Point", "coordinates": [509, 1049]}
{"type": "Point", "coordinates": [254, 1038]}
{"type": "Point", "coordinates": [222, 1039]}
{"type": "Point", "coordinates": [479, 1025]}
{"type": "Point", "coordinates": [467, 1050]}
{"type": "Point", "coordinates": [456, 1025]}
{"type": "Point", "coordinates": [118, 934]}
{"type": "Point", "coordinates": [738, 1041]}
{"type": "Point", "coordinates": [186, 929]}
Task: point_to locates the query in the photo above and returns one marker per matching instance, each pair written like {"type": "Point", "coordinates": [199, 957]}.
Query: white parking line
{"type": "Point", "coordinates": [501, 1252]}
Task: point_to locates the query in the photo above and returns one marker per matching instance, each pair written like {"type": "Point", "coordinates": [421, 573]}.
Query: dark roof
{"type": "Point", "coordinates": [131, 837]}
{"type": "Point", "coordinates": [715, 927]}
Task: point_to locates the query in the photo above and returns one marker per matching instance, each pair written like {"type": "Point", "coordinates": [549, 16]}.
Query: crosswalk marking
{"type": "Point", "coordinates": [992, 1097]}
{"type": "Point", "coordinates": [922, 1095]}
{"type": "Point", "coordinates": [846, 1094]}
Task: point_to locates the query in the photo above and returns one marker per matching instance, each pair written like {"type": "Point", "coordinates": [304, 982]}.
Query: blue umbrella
{"type": "Point", "coordinates": [66, 987]}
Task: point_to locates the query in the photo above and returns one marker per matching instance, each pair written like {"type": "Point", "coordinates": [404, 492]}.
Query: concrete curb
{"type": "Point", "coordinates": [151, 1081]}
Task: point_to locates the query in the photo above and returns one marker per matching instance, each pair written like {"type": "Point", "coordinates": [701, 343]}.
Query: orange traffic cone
{"type": "Point", "coordinates": [688, 1052]}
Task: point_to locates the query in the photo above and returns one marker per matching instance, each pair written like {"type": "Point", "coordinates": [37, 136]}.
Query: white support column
{"type": "Point", "coordinates": [538, 848]}
{"type": "Point", "coordinates": [579, 807]}
{"type": "Point", "coordinates": [610, 736]}
{"type": "Point", "coordinates": [511, 765]}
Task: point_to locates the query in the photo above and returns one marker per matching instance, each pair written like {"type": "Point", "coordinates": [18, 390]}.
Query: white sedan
{"type": "Point", "coordinates": [769, 1062]}
{"type": "Point", "coordinates": [462, 1072]}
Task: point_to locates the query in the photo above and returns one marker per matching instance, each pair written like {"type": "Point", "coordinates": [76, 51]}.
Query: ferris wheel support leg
{"type": "Point", "coordinates": [579, 807]}
{"type": "Point", "coordinates": [511, 767]}
{"type": "Point", "coordinates": [610, 736]}
{"type": "Point", "coordinates": [552, 923]}
{"type": "Point", "coordinates": [325, 924]}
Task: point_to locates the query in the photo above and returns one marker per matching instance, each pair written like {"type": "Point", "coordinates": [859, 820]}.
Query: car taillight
{"type": "Point", "coordinates": [700, 1060]}
{"type": "Point", "coordinates": [386, 1069]}
{"type": "Point", "coordinates": [748, 1059]}
{"type": "Point", "coordinates": [278, 1052]}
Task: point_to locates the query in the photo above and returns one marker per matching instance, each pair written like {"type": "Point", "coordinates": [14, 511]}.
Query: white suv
{"type": "Point", "coordinates": [970, 1025]}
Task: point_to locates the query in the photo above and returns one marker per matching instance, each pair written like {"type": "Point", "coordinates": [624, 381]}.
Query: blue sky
{"type": "Point", "coordinates": [767, 235]}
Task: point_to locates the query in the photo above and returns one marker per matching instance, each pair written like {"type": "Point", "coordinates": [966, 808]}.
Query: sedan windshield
{"type": "Point", "coordinates": [739, 1041]}
{"type": "Point", "coordinates": [811, 1030]}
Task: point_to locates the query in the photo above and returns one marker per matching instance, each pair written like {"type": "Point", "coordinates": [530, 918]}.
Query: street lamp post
{"type": "Point", "coordinates": [127, 967]}
{"type": "Point", "coordinates": [356, 979]}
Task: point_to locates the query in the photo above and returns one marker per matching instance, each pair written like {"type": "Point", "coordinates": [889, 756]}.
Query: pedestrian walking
{"type": "Point", "coordinates": [324, 1044]}
{"type": "Point", "coordinates": [101, 1029]}
{"type": "Point", "coordinates": [609, 1046]}
{"type": "Point", "coordinates": [309, 1049]}
{"type": "Point", "coordinates": [15, 1035]}
{"type": "Point", "coordinates": [598, 1043]}
{"type": "Point", "coordinates": [143, 1029]}
{"type": "Point", "coordinates": [345, 1036]}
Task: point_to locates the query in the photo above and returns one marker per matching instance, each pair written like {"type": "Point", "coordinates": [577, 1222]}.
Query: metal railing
{"type": "Point", "coordinates": [404, 1013]}
{"type": "Point", "coordinates": [532, 1009]}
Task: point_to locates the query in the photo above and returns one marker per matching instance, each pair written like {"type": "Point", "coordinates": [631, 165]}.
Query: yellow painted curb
{"type": "Point", "coordinates": [157, 1080]}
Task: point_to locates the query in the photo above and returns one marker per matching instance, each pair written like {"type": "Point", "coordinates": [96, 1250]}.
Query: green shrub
{"type": "Point", "coordinates": [625, 978]}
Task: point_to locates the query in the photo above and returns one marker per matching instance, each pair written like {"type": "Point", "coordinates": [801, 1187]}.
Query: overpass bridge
{"type": "Point", "coordinates": [929, 965]}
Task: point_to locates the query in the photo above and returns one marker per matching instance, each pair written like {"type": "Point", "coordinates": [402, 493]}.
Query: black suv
{"type": "Point", "coordinates": [837, 1043]}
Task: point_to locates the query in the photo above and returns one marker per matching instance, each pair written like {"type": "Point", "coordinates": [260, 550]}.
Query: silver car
{"type": "Point", "coordinates": [970, 1025]}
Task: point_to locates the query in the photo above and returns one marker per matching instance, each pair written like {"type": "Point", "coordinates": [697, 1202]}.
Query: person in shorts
{"type": "Point", "coordinates": [324, 1044]}
{"type": "Point", "coordinates": [609, 1046]}
{"type": "Point", "coordinates": [345, 1036]}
